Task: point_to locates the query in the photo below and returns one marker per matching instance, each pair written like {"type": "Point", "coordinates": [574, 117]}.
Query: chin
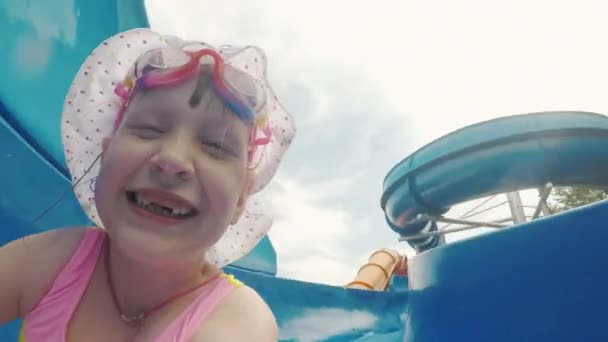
{"type": "Point", "coordinates": [149, 245]}
{"type": "Point", "coordinates": [144, 247]}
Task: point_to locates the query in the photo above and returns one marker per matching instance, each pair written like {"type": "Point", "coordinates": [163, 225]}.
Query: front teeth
{"type": "Point", "coordinates": [142, 202]}
{"type": "Point", "coordinates": [181, 211]}
{"type": "Point", "coordinates": [145, 204]}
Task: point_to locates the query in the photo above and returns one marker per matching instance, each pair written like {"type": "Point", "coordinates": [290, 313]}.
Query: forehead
{"type": "Point", "coordinates": [177, 102]}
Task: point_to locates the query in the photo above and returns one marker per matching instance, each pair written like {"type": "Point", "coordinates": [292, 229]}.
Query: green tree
{"type": "Point", "coordinates": [566, 198]}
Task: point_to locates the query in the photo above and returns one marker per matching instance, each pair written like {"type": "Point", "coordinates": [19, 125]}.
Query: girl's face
{"type": "Point", "coordinates": [174, 175]}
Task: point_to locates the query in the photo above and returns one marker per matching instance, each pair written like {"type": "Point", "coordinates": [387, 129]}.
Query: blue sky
{"type": "Point", "coordinates": [370, 83]}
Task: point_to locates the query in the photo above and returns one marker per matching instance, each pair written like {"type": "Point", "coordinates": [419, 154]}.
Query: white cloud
{"type": "Point", "coordinates": [311, 266]}
{"type": "Point", "coordinates": [372, 83]}
{"type": "Point", "coordinates": [307, 235]}
{"type": "Point", "coordinates": [320, 324]}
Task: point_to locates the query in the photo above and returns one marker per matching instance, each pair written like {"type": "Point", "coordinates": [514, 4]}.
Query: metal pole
{"type": "Point", "coordinates": [424, 217]}
{"type": "Point", "coordinates": [542, 201]}
{"type": "Point", "coordinates": [444, 232]}
{"type": "Point", "coordinates": [517, 210]}
{"type": "Point", "coordinates": [429, 234]}
{"type": "Point", "coordinates": [544, 208]}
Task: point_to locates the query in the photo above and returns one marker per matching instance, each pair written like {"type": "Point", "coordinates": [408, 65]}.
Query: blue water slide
{"type": "Point", "coordinates": [541, 281]}
{"type": "Point", "coordinates": [496, 156]}
{"type": "Point", "coordinates": [43, 45]}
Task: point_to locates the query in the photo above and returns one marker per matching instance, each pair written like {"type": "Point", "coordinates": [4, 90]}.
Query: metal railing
{"type": "Point", "coordinates": [515, 205]}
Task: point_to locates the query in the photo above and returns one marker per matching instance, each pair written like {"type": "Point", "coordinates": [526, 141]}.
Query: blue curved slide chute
{"type": "Point", "coordinates": [543, 280]}
{"type": "Point", "coordinates": [496, 156]}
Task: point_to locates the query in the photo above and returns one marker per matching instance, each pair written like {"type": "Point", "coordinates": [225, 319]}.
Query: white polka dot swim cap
{"type": "Point", "coordinates": [91, 106]}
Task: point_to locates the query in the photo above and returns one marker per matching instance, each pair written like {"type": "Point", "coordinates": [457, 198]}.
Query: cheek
{"type": "Point", "coordinates": [116, 166]}
{"type": "Point", "coordinates": [223, 197]}
{"type": "Point", "coordinates": [224, 188]}
{"type": "Point", "coordinates": [104, 194]}
{"type": "Point", "coordinates": [107, 182]}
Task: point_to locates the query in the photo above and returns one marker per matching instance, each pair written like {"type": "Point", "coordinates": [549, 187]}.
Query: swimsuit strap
{"type": "Point", "coordinates": [49, 319]}
{"type": "Point", "coordinates": [189, 321]}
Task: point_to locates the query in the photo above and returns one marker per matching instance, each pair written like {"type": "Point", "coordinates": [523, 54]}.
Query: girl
{"type": "Point", "coordinates": [165, 140]}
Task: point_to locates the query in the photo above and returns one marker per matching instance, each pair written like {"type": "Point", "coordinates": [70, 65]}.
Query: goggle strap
{"type": "Point", "coordinates": [265, 139]}
{"type": "Point", "coordinates": [122, 91]}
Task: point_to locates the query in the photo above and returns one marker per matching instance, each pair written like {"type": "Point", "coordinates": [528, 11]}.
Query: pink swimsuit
{"type": "Point", "coordinates": [49, 319]}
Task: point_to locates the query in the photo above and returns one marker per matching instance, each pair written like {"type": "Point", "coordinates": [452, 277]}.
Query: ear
{"type": "Point", "coordinates": [244, 196]}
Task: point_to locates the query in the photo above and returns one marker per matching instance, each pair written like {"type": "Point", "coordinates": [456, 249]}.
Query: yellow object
{"type": "Point", "coordinates": [261, 120]}
{"type": "Point", "coordinates": [128, 82]}
{"type": "Point", "coordinates": [376, 273]}
{"type": "Point", "coordinates": [21, 333]}
{"type": "Point", "coordinates": [235, 282]}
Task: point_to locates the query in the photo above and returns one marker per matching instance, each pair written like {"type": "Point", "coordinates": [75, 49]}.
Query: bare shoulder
{"type": "Point", "coordinates": [242, 316]}
{"type": "Point", "coordinates": [251, 311]}
{"type": "Point", "coordinates": [42, 256]}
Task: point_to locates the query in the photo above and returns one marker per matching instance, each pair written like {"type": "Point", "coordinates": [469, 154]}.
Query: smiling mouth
{"type": "Point", "coordinates": [180, 213]}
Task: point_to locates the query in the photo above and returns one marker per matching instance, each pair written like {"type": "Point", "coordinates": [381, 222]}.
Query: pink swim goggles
{"type": "Point", "coordinates": [243, 94]}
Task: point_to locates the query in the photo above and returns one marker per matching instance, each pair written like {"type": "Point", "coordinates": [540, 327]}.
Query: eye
{"type": "Point", "coordinates": [218, 149]}
{"type": "Point", "coordinates": [214, 145]}
{"type": "Point", "coordinates": [147, 131]}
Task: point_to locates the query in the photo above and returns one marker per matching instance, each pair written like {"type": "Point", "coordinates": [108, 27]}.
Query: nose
{"type": "Point", "coordinates": [172, 162]}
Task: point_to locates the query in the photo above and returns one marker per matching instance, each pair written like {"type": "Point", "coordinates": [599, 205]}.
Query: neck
{"type": "Point", "coordinates": [140, 286]}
